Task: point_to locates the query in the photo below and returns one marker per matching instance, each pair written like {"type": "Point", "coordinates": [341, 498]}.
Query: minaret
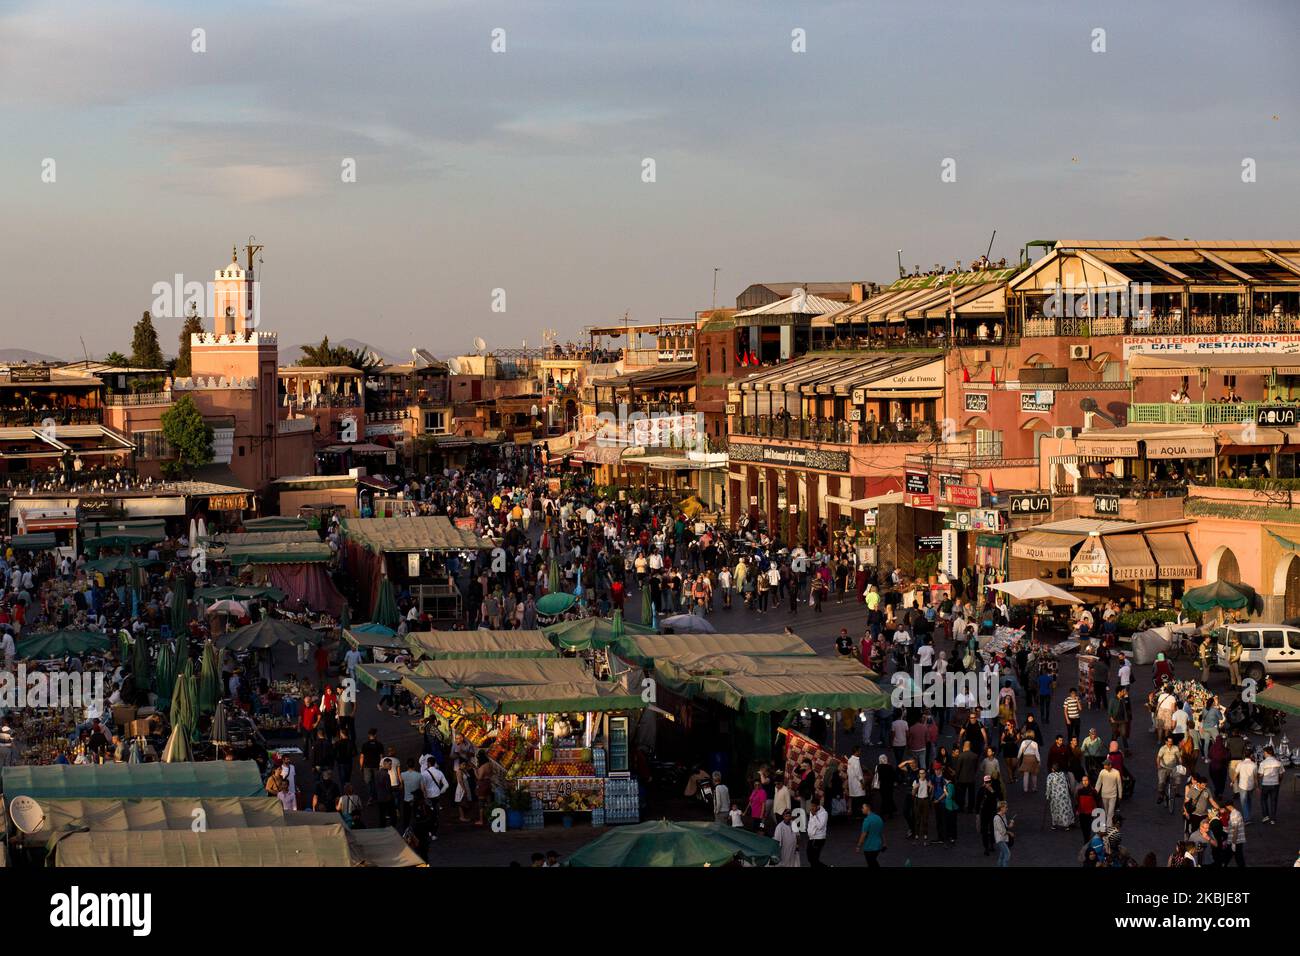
{"type": "Point", "coordinates": [231, 288]}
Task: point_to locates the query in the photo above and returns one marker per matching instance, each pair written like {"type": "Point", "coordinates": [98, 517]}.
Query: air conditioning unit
{"type": "Point", "coordinates": [1080, 352]}
{"type": "Point", "coordinates": [1062, 431]}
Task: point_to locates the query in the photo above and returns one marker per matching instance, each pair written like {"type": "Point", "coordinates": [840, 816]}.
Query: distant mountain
{"type": "Point", "coordinates": [290, 355]}
{"type": "Point", "coordinates": [26, 355]}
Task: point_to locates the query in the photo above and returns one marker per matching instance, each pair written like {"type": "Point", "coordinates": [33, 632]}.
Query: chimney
{"type": "Point", "coordinates": [857, 292]}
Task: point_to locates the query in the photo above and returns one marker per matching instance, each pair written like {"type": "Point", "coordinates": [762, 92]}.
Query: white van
{"type": "Point", "coordinates": [1265, 648]}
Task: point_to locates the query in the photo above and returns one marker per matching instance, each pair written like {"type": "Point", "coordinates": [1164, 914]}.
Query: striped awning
{"type": "Point", "coordinates": [1046, 546]}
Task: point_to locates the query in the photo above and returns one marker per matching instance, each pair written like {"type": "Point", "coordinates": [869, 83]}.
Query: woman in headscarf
{"type": "Point", "coordinates": [1027, 763]}
{"type": "Point", "coordinates": [1219, 760]}
{"type": "Point", "coordinates": [1162, 671]}
{"type": "Point", "coordinates": [1060, 803]}
{"type": "Point", "coordinates": [883, 785]}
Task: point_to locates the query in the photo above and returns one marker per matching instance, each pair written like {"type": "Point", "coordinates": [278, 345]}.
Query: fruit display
{"type": "Point", "coordinates": [554, 768]}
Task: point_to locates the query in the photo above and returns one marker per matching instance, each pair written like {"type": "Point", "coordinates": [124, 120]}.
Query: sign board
{"type": "Point", "coordinates": [228, 502]}
{"type": "Point", "coordinates": [1031, 504]}
{"type": "Point", "coordinates": [1032, 402]}
{"type": "Point", "coordinates": [916, 483]}
{"type": "Point", "coordinates": [867, 554]}
{"type": "Point", "coordinates": [413, 565]}
{"type": "Point", "coordinates": [976, 402]}
{"type": "Point", "coordinates": [29, 375]}
{"type": "Point", "coordinates": [1090, 567]}
{"type": "Point", "coordinates": [963, 496]}
{"type": "Point", "coordinates": [467, 524]}
{"type": "Point", "coordinates": [922, 501]}
{"type": "Point", "coordinates": [1105, 504]}
{"type": "Point", "coordinates": [753, 501]}
{"type": "Point", "coordinates": [963, 520]}
{"type": "Point", "coordinates": [858, 397]}
{"type": "Point", "coordinates": [1276, 414]}
{"type": "Point", "coordinates": [1272, 343]}
{"type": "Point", "coordinates": [949, 564]}
{"type": "Point", "coordinates": [987, 519]}
{"type": "Point", "coordinates": [929, 542]}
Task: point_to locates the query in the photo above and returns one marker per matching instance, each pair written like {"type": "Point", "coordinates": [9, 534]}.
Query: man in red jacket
{"type": "Point", "coordinates": [307, 721]}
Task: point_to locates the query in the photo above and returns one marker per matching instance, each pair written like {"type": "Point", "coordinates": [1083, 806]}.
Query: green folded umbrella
{"type": "Point", "coordinates": [647, 612]}
{"type": "Point", "coordinates": [672, 844]}
{"type": "Point", "coordinates": [140, 663]}
{"type": "Point", "coordinates": [553, 576]}
{"type": "Point", "coordinates": [164, 675]}
{"type": "Point", "coordinates": [180, 616]}
{"type": "Point", "coordinates": [178, 748]}
{"type": "Point", "coordinates": [209, 680]}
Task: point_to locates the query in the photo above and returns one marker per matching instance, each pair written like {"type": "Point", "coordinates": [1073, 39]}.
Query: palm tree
{"type": "Point", "coordinates": [325, 354]}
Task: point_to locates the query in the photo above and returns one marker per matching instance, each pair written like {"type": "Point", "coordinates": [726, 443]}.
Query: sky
{"type": "Point", "coordinates": [523, 170]}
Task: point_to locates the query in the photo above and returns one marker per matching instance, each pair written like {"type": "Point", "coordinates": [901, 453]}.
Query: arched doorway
{"type": "Point", "coordinates": [1286, 585]}
{"type": "Point", "coordinates": [1223, 566]}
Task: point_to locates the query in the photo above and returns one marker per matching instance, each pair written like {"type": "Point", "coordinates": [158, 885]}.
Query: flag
{"type": "Point", "coordinates": [995, 378]}
{"type": "Point", "coordinates": [965, 374]}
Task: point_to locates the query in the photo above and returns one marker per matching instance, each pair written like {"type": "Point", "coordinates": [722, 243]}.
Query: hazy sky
{"type": "Point", "coordinates": [522, 170]}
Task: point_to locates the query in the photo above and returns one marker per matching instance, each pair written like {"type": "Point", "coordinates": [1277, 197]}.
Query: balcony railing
{"type": "Point", "coordinates": [19, 417]}
{"type": "Point", "coordinates": [968, 455]}
{"type": "Point", "coordinates": [1207, 413]}
{"type": "Point", "coordinates": [834, 431]}
{"type": "Point", "coordinates": [130, 399]}
{"type": "Point", "coordinates": [1133, 487]}
{"type": "Point", "coordinates": [1172, 323]}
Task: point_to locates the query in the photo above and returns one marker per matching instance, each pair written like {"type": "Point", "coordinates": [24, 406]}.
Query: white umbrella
{"type": "Point", "coordinates": [236, 608]}
{"type": "Point", "coordinates": [1032, 589]}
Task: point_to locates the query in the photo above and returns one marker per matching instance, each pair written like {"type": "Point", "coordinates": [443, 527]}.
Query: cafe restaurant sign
{"type": "Point", "coordinates": [228, 503]}
{"type": "Point", "coordinates": [1272, 344]}
{"type": "Point", "coordinates": [1195, 446]}
{"type": "Point", "coordinates": [1091, 567]}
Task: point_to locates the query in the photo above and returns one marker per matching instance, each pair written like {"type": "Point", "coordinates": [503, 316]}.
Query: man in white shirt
{"type": "Point", "coordinates": [8, 649]}
{"type": "Point", "coordinates": [857, 783]}
{"type": "Point", "coordinates": [898, 737]}
{"type": "Point", "coordinates": [1244, 781]}
{"type": "Point", "coordinates": [789, 842]}
{"type": "Point", "coordinates": [1125, 671]}
{"type": "Point", "coordinates": [818, 821]}
{"type": "Point", "coordinates": [1270, 781]}
{"type": "Point", "coordinates": [351, 659]}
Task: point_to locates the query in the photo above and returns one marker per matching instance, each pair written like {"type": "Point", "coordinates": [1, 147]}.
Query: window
{"type": "Point", "coordinates": [435, 423]}
{"type": "Point", "coordinates": [708, 361]}
{"type": "Point", "coordinates": [1249, 640]}
{"type": "Point", "coordinates": [724, 361]}
{"type": "Point", "coordinates": [1272, 640]}
{"type": "Point", "coordinates": [151, 446]}
{"type": "Point", "coordinates": [241, 451]}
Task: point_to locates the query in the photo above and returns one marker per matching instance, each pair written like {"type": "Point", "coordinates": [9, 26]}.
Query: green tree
{"type": "Point", "coordinates": [116, 358]}
{"type": "Point", "coordinates": [145, 350]}
{"type": "Point", "coordinates": [190, 438]}
{"type": "Point", "coordinates": [324, 355]}
{"type": "Point", "coordinates": [193, 325]}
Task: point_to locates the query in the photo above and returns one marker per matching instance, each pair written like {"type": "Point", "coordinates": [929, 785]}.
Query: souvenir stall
{"type": "Point", "coordinates": [279, 699]}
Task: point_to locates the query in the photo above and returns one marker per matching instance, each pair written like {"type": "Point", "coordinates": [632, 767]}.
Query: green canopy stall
{"type": "Point", "coordinates": [62, 643]}
{"type": "Point", "coordinates": [449, 645]}
{"type": "Point", "coordinates": [592, 633]}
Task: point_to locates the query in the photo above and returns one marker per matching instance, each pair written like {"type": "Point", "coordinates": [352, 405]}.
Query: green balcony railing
{"type": "Point", "coordinates": [1197, 413]}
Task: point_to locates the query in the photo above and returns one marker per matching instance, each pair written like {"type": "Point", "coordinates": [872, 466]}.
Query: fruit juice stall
{"type": "Point", "coordinates": [754, 684]}
{"type": "Point", "coordinates": [558, 738]}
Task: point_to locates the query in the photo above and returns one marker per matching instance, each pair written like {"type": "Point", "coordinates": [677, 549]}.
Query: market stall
{"type": "Point", "coordinates": [559, 740]}
{"type": "Point", "coordinates": [450, 645]}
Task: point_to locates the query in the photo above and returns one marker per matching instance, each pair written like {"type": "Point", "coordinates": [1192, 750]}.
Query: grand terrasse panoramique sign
{"type": "Point", "coordinates": [789, 455]}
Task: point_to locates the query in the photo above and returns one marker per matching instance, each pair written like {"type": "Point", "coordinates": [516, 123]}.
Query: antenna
{"type": "Point", "coordinates": [900, 263]}
{"type": "Point", "coordinates": [991, 238]}
{"type": "Point", "coordinates": [83, 348]}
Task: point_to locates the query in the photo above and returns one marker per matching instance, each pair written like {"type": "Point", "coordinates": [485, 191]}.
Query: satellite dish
{"type": "Point", "coordinates": [27, 814]}
{"type": "Point", "coordinates": [479, 343]}
{"type": "Point", "coordinates": [453, 366]}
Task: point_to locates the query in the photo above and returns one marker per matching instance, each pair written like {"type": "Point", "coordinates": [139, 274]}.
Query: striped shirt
{"type": "Point", "coordinates": [1072, 708]}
